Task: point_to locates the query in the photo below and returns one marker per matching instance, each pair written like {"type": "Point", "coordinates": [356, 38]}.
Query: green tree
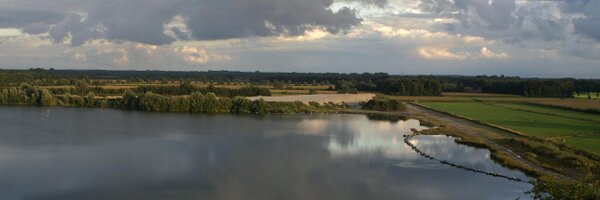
{"type": "Point", "coordinates": [241, 105]}
{"type": "Point", "coordinates": [259, 107]}
{"type": "Point", "coordinates": [566, 89]}
{"type": "Point", "coordinates": [129, 100]}
{"type": "Point", "coordinates": [153, 102]}
{"type": "Point", "coordinates": [211, 103]}
{"type": "Point", "coordinates": [4, 97]}
{"type": "Point", "coordinates": [179, 104]}
{"type": "Point", "coordinates": [81, 87]}
{"type": "Point", "coordinates": [345, 86]}
{"type": "Point", "coordinates": [196, 102]}
{"type": "Point", "coordinates": [45, 98]}
{"type": "Point", "coordinates": [90, 99]}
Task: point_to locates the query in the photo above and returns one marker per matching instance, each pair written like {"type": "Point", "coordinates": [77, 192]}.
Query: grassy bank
{"type": "Point", "coordinates": [498, 155]}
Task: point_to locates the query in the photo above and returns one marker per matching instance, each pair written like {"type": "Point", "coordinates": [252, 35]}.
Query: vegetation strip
{"type": "Point", "coordinates": [416, 149]}
{"type": "Point", "coordinates": [545, 113]}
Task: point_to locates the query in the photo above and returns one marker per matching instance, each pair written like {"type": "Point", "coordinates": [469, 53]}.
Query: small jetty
{"type": "Point", "coordinates": [416, 149]}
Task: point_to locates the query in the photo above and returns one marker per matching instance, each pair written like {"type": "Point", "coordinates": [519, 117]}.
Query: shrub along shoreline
{"type": "Point", "coordinates": [196, 102]}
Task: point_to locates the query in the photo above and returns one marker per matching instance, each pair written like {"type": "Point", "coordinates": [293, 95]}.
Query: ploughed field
{"type": "Point", "coordinates": [577, 129]}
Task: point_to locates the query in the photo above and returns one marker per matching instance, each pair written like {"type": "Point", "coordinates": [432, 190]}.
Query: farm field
{"type": "Point", "coordinates": [577, 104]}
{"type": "Point", "coordinates": [553, 111]}
{"type": "Point", "coordinates": [531, 120]}
{"type": "Point", "coordinates": [582, 104]}
{"type": "Point", "coordinates": [588, 142]}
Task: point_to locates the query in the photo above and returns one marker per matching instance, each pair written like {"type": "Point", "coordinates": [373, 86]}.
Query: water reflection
{"type": "Point", "coordinates": [107, 154]}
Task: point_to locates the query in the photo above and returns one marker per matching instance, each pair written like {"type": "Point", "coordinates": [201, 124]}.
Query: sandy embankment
{"type": "Point", "coordinates": [349, 99]}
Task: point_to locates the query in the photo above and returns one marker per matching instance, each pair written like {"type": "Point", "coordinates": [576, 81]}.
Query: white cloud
{"type": "Point", "coordinates": [200, 56]}
{"type": "Point", "coordinates": [149, 49]}
{"type": "Point", "coordinates": [122, 59]}
{"type": "Point", "coordinates": [80, 56]}
{"type": "Point", "coordinates": [309, 35]}
{"type": "Point", "coordinates": [5, 32]}
{"type": "Point", "coordinates": [442, 54]}
{"type": "Point", "coordinates": [475, 40]}
{"type": "Point", "coordinates": [487, 53]}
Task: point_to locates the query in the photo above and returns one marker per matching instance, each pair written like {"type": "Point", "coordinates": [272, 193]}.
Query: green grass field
{"type": "Point", "coordinates": [581, 130]}
{"type": "Point", "coordinates": [553, 111]}
{"type": "Point", "coordinates": [536, 124]}
{"type": "Point", "coordinates": [589, 143]}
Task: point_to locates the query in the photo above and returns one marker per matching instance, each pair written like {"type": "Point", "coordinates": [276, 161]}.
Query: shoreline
{"type": "Point", "coordinates": [481, 135]}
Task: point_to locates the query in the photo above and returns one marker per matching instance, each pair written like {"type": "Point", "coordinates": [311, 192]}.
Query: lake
{"type": "Point", "coordinates": [73, 153]}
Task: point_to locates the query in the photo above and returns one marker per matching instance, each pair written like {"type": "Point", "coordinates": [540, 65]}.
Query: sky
{"type": "Point", "coordinates": [529, 38]}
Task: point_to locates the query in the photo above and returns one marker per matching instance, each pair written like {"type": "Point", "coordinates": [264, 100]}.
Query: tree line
{"type": "Point", "coordinates": [343, 83]}
{"type": "Point", "coordinates": [26, 95]}
{"type": "Point", "coordinates": [209, 103]}
{"type": "Point", "coordinates": [82, 88]}
{"type": "Point", "coordinates": [186, 89]}
{"type": "Point", "coordinates": [196, 102]}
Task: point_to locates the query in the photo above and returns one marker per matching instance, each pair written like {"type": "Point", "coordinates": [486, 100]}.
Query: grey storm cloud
{"type": "Point", "coordinates": [477, 17]}
{"type": "Point", "coordinates": [505, 20]}
{"type": "Point", "coordinates": [36, 28]}
{"type": "Point", "coordinates": [495, 15]}
{"type": "Point", "coordinates": [589, 25]}
{"type": "Point", "coordinates": [144, 20]}
{"type": "Point", "coordinates": [222, 19]}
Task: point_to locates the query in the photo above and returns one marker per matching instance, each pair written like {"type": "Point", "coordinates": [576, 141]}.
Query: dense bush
{"type": "Point", "coordinates": [384, 105]}
{"type": "Point", "coordinates": [27, 95]}
{"type": "Point", "coordinates": [196, 102]}
{"type": "Point", "coordinates": [553, 189]}
{"type": "Point", "coordinates": [210, 103]}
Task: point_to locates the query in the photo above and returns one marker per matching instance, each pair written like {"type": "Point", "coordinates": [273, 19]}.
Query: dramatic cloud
{"type": "Point", "coordinates": [588, 24]}
{"type": "Point", "coordinates": [504, 19]}
{"type": "Point", "coordinates": [146, 21]}
{"type": "Point", "coordinates": [223, 19]}
{"type": "Point", "coordinates": [511, 37]}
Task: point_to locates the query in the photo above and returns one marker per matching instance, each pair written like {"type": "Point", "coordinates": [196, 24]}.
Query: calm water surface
{"type": "Point", "coordinates": [68, 153]}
